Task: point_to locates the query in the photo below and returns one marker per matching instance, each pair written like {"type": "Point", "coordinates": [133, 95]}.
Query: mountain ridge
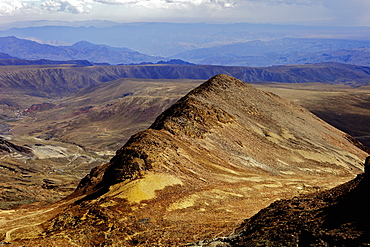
{"type": "Point", "coordinates": [168, 39]}
{"type": "Point", "coordinates": [236, 50]}
{"type": "Point", "coordinates": [82, 50]}
{"type": "Point", "coordinates": [65, 79]}
{"type": "Point", "coordinates": [282, 52]}
{"type": "Point", "coordinates": [194, 117]}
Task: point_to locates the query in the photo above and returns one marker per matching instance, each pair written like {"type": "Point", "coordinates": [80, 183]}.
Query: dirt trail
{"type": "Point", "coordinates": [14, 220]}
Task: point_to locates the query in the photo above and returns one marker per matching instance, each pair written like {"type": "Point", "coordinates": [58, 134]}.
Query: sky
{"type": "Point", "coordinates": [300, 12]}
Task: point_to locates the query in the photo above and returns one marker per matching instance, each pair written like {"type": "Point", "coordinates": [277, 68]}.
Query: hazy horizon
{"type": "Point", "coordinates": [287, 12]}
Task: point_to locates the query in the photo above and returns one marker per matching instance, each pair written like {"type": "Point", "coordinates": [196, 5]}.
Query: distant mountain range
{"type": "Point", "coordinates": [282, 51]}
{"type": "Point", "coordinates": [253, 53]}
{"type": "Point", "coordinates": [83, 50]}
{"type": "Point", "coordinates": [216, 44]}
{"type": "Point", "coordinates": [168, 39]}
{"type": "Point", "coordinates": [17, 61]}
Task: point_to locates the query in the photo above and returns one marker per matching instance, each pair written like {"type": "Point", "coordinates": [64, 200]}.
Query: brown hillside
{"type": "Point", "coordinates": [336, 217]}
{"type": "Point", "coordinates": [218, 155]}
{"type": "Point", "coordinates": [101, 117]}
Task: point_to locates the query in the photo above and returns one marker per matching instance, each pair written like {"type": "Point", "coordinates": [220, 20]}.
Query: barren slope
{"type": "Point", "coordinates": [336, 217]}
{"type": "Point", "coordinates": [100, 118]}
{"type": "Point", "coordinates": [39, 171]}
{"type": "Point", "coordinates": [342, 106]}
{"type": "Point", "coordinates": [218, 155]}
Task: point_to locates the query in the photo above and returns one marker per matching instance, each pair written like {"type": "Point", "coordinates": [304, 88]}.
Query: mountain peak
{"type": "Point", "coordinates": [83, 44]}
{"type": "Point", "coordinates": [194, 114]}
{"type": "Point", "coordinates": [199, 112]}
{"type": "Point", "coordinates": [260, 133]}
{"type": "Point", "coordinates": [220, 83]}
{"type": "Point", "coordinates": [223, 80]}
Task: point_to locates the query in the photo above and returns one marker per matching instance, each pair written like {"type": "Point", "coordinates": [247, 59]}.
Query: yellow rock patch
{"type": "Point", "coordinates": [326, 157]}
{"type": "Point", "coordinates": [287, 135]}
{"type": "Point", "coordinates": [108, 204]}
{"type": "Point", "coordinates": [184, 203]}
{"type": "Point", "coordinates": [142, 189]}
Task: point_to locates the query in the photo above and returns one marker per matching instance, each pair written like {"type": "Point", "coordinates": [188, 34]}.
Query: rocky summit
{"type": "Point", "coordinates": [217, 156]}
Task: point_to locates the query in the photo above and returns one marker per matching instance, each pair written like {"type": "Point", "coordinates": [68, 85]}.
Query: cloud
{"type": "Point", "coordinates": [319, 12]}
{"type": "Point", "coordinates": [8, 7]}
{"type": "Point", "coordinates": [170, 3]}
{"type": "Point", "coordinates": [21, 7]}
{"type": "Point", "coordinates": [115, 2]}
{"type": "Point", "coordinates": [70, 6]}
{"type": "Point", "coordinates": [289, 2]}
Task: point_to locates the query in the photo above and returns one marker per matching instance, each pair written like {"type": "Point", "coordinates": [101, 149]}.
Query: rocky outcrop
{"type": "Point", "coordinates": [39, 107]}
{"type": "Point", "coordinates": [194, 117]}
{"type": "Point", "coordinates": [8, 147]}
